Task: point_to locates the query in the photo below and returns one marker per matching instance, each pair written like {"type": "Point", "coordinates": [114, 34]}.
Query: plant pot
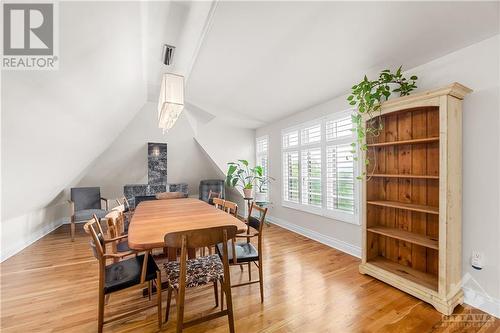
{"type": "Point", "coordinates": [247, 192]}
{"type": "Point", "coordinates": [260, 196]}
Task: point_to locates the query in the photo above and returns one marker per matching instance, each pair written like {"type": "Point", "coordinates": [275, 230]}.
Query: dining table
{"type": "Point", "coordinates": [153, 219]}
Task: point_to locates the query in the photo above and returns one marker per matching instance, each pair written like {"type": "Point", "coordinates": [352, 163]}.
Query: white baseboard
{"type": "Point", "coordinates": [314, 235]}
{"type": "Point", "coordinates": [481, 301]}
{"type": "Point", "coordinates": [24, 243]}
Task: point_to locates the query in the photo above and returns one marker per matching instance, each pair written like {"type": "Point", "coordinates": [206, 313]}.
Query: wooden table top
{"type": "Point", "coordinates": [153, 219]}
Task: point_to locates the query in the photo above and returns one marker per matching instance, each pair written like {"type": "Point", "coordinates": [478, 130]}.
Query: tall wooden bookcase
{"type": "Point", "coordinates": [412, 197]}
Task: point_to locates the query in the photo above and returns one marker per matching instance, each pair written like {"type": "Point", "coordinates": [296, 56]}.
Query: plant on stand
{"type": "Point", "coordinates": [262, 183]}
{"type": "Point", "coordinates": [239, 174]}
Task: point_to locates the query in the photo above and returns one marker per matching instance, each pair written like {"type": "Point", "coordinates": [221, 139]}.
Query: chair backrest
{"type": "Point", "coordinates": [255, 222]}
{"type": "Point", "coordinates": [140, 198]}
{"type": "Point", "coordinates": [123, 201]}
{"type": "Point", "coordinates": [119, 208]}
{"type": "Point", "coordinates": [219, 203]}
{"type": "Point", "coordinates": [214, 185]}
{"type": "Point", "coordinates": [231, 208]}
{"type": "Point", "coordinates": [86, 197]}
{"type": "Point", "coordinates": [200, 237]}
{"type": "Point", "coordinates": [97, 245]}
{"type": "Point", "coordinates": [213, 195]}
{"type": "Point", "coordinates": [115, 222]}
{"type": "Point", "coordinates": [170, 195]}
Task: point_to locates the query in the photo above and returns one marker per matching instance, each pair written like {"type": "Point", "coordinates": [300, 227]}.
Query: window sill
{"type": "Point", "coordinates": [330, 214]}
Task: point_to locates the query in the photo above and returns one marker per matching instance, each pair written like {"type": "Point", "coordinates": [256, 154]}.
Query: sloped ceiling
{"type": "Point", "coordinates": [55, 123]}
{"type": "Point", "coordinates": [262, 61]}
{"type": "Point", "coordinates": [259, 61]}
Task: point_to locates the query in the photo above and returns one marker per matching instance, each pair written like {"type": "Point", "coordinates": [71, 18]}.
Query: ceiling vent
{"type": "Point", "coordinates": [168, 54]}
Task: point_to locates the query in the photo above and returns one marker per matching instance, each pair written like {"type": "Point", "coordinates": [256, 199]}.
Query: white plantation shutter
{"type": "Point", "coordinates": [262, 159]}
{"type": "Point", "coordinates": [340, 178]}
{"type": "Point", "coordinates": [319, 168]}
{"type": "Point", "coordinates": [338, 128]}
{"type": "Point", "coordinates": [291, 176]}
{"type": "Point", "coordinates": [262, 145]}
{"type": "Point", "coordinates": [291, 139]}
{"type": "Point", "coordinates": [311, 134]}
{"type": "Point", "coordinates": [311, 177]}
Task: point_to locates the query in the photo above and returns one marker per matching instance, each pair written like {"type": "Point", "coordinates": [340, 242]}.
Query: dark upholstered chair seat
{"type": "Point", "coordinates": [86, 214]}
{"type": "Point", "coordinates": [199, 271]}
{"type": "Point", "coordinates": [122, 246]}
{"type": "Point", "coordinates": [127, 273]}
{"type": "Point", "coordinates": [245, 252]}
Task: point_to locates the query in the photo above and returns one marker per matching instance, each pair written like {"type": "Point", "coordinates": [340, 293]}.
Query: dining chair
{"type": "Point", "coordinates": [214, 185]}
{"type": "Point", "coordinates": [212, 195]}
{"type": "Point", "coordinates": [245, 253]}
{"type": "Point", "coordinates": [124, 201]}
{"type": "Point", "coordinates": [231, 208]}
{"type": "Point", "coordinates": [122, 274]}
{"type": "Point", "coordinates": [200, 271]}
{"type": "Point", "coordinates": [125, 207]}
{"type": "Point", "coordinates": [115, 221]}
{"type": "Point", "coordinates": [170, 195]}
{"type": "Point", "coordinates": [218, 203]}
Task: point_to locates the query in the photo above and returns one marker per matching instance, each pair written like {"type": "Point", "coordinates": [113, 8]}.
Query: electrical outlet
{"type": "Point", "coordinates": [477, 260]}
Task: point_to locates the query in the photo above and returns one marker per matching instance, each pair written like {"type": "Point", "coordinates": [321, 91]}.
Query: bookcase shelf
{"type": "Point", "coordinates": [387, 175]}
{"type": "Point", "coordinates": [403, 142]}
{"type": "Point", "coordinates": [406, 236]}
{"type": "Point", "coordinates": [407, 206]}
{"type": "Point", "coordinates": [412, 197]}
{"type": "Point", "coordinates": [427, 280]}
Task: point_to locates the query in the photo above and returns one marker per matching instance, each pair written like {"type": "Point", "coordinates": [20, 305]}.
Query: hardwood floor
{"type": "Point", "coordinates": [51, 286]}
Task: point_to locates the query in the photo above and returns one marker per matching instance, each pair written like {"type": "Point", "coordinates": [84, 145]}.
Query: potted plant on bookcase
{"type": "Point", "coordinates": [239, 174]}
{"type": "Point", "coordinates": [367, 97]}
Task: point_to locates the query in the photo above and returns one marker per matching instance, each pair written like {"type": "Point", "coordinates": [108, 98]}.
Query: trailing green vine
{"type": "Point", "coordinates": [367, 97]}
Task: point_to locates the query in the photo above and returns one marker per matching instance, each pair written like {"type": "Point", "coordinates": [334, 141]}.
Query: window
{"type": "Point", "coordinates": [319, 168]}
{"type": "Point", "coordinates": [262, 159]}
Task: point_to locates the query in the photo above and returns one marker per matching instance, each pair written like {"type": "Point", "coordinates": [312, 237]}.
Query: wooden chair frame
{"type": "Point", "coordinates": [219, 203]}
{"type": "Point", "coordinates": [213, 195]}
{"type": "Point", "coordinates": [127, 208]}
{"type": "Point", "coordinates": [93, 227]}
{"type": "Point", "coordinates": [249, 235]}
{"type": "Point", "coordinates": [115, 222]}
{"type": "Point", "coordinates": [231, 208]}
{"type": "Point", "coordinates": [196, 239]}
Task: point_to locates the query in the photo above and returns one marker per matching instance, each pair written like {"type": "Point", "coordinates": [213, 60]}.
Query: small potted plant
{"type": "Point", "coordinates": [239, 174]}
{"type": "Point", "coordinates": [261, 194]}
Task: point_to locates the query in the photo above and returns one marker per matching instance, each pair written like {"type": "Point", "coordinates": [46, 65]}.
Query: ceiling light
{"type": "Point", "coordinates": [171, 101]}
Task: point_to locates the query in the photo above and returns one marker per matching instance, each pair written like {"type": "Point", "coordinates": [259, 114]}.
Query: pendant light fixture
{"type": "Point", "coordinates": [171, 100]}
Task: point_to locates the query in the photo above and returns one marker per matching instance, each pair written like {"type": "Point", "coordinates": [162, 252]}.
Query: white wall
{"type": "Point", "coordinates": [225, 142]}
{"type": "Point", "coordinates": [125, 160]}
{"type": "Point", "coordinates": [476, 67]}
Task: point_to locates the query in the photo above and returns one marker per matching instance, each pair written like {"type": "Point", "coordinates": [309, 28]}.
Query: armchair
{"type": "Point", "coordinates": [84, 203]}
{"type": "Point", "coordinates": [213, 185]}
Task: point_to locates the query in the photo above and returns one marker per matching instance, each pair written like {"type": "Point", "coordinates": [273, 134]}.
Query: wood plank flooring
{"type": "Point", "coordinates": [51, 286]}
